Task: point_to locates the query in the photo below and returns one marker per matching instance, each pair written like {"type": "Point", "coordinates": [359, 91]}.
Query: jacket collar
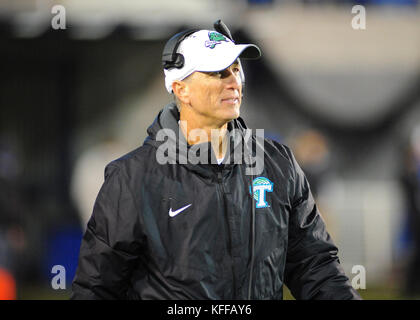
{"type": "Point", "coordinates": [168, 119]}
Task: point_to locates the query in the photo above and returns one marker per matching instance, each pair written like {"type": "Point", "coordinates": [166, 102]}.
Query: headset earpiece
{"type": "Point", "coordinates": [170, 58]}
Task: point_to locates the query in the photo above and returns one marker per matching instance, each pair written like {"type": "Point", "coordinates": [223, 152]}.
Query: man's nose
{"type": "Point", "coordinates": [234, 79]}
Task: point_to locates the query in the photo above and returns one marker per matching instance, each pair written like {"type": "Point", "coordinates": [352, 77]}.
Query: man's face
{"type": "Point", "coordinates": [216, 95]}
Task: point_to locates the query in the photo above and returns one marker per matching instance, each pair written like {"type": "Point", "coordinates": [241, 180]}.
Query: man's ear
{"type": "Point", "coordinates": [181, 91]}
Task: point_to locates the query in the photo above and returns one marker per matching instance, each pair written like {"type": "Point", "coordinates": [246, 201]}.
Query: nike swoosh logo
{"type": "Point", "coordinates": [174, 213]}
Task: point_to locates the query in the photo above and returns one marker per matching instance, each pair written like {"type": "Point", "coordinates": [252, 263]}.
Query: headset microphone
{"type": "Point", "coordinates": [221, 27]}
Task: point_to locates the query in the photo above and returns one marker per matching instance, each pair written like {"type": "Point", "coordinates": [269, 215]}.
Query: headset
{"type": "Point", "coordinates": [172, 59]}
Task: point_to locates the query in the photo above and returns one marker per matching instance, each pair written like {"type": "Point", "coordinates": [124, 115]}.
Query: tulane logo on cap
{"type": "Point", "coordinates": [215, 38]}
{"type": "Point", "coordinates": [261, 186]}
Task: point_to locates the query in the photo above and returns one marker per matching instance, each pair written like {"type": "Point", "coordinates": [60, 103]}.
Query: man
{"type": "Point", "coordinates": [185, 217]}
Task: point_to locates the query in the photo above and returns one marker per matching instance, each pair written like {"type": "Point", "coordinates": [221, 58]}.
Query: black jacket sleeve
{"type": "Point", "coordinates": [111, 243]}
{"type": "Point", "coordinates": [313, 270]}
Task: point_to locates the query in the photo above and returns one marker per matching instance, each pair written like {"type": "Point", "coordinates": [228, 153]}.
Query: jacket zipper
{"type": "Point", "coordinates": [220, 181]}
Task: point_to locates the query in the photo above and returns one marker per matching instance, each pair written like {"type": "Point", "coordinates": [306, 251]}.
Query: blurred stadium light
{"type": "Point", "coordinates": [347, 77]}
{"type": "Point", "coordinates": [95, 19]}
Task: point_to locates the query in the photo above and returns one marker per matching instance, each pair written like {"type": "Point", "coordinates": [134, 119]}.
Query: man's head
{"type": "Point", "coordinates": [212, 95]}
{"type": "Point", "coordinates": [204, 72]}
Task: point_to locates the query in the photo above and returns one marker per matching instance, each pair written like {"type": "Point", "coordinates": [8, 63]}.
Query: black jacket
{"type": "Point", "coordinates": [133, 248]}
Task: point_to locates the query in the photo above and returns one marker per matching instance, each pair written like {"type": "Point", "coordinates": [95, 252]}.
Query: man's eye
{"type": "Point", "coordinates": [214, 74]}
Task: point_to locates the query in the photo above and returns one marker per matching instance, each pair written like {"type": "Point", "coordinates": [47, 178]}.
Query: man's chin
{"type": "Point", "coordinates": [232, 113]}
{"type": "Point", "coordinates": [230, 118]}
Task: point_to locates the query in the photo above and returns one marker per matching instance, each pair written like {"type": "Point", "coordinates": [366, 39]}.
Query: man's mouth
{"type": "Point", "coordinates": [231, 100]}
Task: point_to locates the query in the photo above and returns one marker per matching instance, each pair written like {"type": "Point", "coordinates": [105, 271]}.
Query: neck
{"type": "Point", "coordinates": [198, 129]}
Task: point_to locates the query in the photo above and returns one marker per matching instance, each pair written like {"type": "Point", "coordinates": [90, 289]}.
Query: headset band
{"type": "Point", "coordinates": [170, 58]}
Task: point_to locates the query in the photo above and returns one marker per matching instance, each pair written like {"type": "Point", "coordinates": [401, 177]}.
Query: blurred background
{"type": "Point", "coordinates": [347, 101]}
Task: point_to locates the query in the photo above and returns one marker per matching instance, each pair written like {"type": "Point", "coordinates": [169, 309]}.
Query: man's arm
{"type": "Point", "coordinates": [111, 243]}
{"type": "Point", "coordinates": [313, 270]}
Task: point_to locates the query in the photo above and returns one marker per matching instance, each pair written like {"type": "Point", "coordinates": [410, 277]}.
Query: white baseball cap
{"type": "Point", "coordinates": [208, 51]}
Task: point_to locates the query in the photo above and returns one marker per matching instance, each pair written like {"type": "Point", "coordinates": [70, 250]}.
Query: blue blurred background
{"type": "Point", "coordinates": [346, 101]}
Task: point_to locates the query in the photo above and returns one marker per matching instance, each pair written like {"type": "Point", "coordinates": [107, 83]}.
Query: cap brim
{"type": "Point", "coordinates": [250, 52]}
{"type": "Point", "coordinates": [225, 59]}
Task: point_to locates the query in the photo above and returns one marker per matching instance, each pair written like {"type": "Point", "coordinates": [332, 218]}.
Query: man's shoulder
{"type": "Point", "coordinates": [275, 148]}
{"type": "Point", "coordinates": [133, 160]}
